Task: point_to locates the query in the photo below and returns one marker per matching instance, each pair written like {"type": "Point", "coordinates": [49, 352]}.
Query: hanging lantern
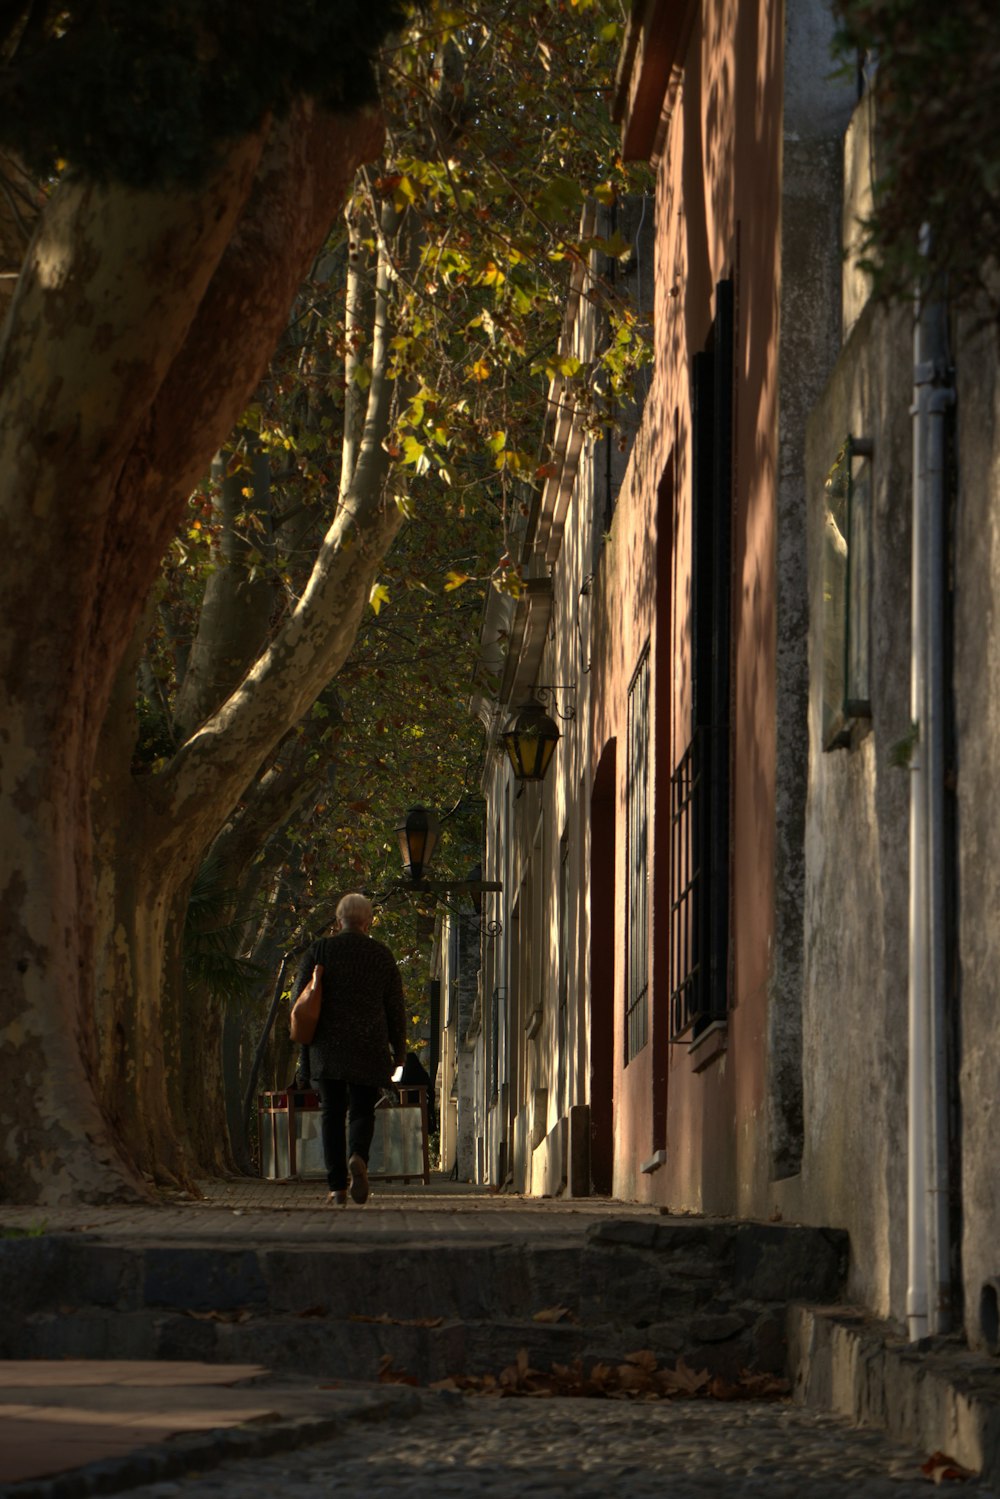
{"type": "Point", "coordinates": [418, 836]}
{"type": "Point", "coordinates": [530, 739]}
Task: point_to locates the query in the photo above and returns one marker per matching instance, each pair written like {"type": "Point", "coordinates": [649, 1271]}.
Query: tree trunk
{"type": "Point", "coordinates": [141, 323]}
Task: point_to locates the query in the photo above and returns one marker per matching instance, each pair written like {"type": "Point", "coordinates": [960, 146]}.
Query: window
{"type": "Point", "coordinates": [846, 594]}
{"type": "Point", "coordinates": [567, 931]}
{"type": "Point", "coordinates": [564, 921]}
{"type": "Point", "coordinates": [637, 965]}
{"type": "Point", "coordinates": [699, 789]}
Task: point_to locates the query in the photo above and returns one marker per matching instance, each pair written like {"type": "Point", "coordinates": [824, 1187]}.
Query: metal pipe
{"type": "Point", "coordinates": [938, 1227]}
{"type": "Point", "coordinates": [917, 1145]}
{"type": "Point", "coordinates": [928, 1230]}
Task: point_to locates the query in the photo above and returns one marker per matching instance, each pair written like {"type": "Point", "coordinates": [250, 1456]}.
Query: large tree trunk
{"type": "Point", "coordinates": [141, 324]}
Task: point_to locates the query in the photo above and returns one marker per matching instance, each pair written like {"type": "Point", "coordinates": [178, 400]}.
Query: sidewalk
{"type": "Point", "coordinates": [255, 1212]}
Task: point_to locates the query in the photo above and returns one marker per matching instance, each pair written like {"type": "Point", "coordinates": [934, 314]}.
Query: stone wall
{"type": "Point", "coordinates": [856, 844]}
{"type": "Point", "coordinates": [976, 540]}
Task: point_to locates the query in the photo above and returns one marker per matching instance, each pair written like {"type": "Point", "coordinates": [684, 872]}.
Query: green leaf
{"type": "Point", "coordinates": [415, 454]}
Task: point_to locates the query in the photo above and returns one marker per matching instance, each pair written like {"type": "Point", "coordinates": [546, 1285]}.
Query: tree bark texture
{"type": "Point", "coordinates": [141, 323]}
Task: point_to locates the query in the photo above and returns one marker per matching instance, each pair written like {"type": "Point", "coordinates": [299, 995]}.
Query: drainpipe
{"type": "Point", "coordinates": [929, 1251]}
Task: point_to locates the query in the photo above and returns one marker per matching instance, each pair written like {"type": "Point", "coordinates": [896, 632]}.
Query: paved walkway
{"type": "Point", "coordinates": [278, 1213]}
{"type": "Point", "coordinates": [260, 1212]}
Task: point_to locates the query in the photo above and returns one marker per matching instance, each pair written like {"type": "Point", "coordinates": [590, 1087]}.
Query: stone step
{"type": "Point", "coordinates": [724, 1343]}
{"type": "Point", "coordinates": [714, 1292]}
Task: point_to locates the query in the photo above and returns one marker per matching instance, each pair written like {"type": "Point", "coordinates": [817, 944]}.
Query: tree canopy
{"type": "Point", "coordinates": [145, 93]}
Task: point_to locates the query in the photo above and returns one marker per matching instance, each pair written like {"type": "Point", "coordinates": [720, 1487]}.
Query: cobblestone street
{"type": "Point", "coordinates": [453, 1444]}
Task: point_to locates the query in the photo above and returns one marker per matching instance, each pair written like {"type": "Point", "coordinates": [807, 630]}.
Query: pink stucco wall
{"type": "Point", "coordinates": [717, 206]}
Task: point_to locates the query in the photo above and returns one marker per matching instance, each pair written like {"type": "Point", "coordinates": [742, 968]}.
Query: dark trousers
{"type": "Point", "coordinates": [335, 1095]}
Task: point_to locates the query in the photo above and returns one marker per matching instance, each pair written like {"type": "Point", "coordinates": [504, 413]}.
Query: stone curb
{"type": "Point", "coordinates": [196, 1451]}
{"type": "Point", "coordinates": [934, 1394]}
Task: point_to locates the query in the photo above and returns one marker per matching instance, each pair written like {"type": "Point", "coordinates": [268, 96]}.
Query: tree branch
{"type": "Point", "coordinates": [210, 771]}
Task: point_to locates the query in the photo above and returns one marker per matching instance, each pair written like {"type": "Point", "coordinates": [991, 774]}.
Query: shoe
{"type": "Point", "coordinates": [337, 1199]}
{"type": "Point", "coordinates": [359, 1178]}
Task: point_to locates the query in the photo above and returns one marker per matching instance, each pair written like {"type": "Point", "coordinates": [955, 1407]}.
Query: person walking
{"type": "Point", "coordinates": [360, 1038]}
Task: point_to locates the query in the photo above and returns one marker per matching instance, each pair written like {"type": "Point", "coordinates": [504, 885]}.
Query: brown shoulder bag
{"type": "Point", "coordinates": [305, 1010]}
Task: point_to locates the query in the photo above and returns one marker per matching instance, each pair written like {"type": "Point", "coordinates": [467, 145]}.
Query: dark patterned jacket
{"type": "Point", "coordinates": [362, 1021]}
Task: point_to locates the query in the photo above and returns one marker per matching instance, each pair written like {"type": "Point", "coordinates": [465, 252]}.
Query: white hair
{"type": "Point", "coordinates": [354, 911]}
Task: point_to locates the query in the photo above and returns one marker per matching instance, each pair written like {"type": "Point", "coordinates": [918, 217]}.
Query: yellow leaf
{"type": "Point", "coordinates": [551, 1314]}
{"type": "Point", "coordinates": [379, 595]}
{"type": "Point", "coordinates": [454, 580]}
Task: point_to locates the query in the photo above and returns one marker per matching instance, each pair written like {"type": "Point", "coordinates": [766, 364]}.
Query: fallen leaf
{"type": "Point", "coordinates": [385, 1320]}
{"type": "Point", "coordinates": [645, 1358]}
{"type": "Point", "coordinates": [763, 1386]}
{"type": "Point", "coordinates": [388, 1375]}
{"type": "Point", "coordinates": [682, 1379]}
{"type": "Point", "coordinates": [241, 1315]}
{"type": "Point", "coordinates": [940, 1468]}
{"type": "Point", "coordinates": [552, 1314]}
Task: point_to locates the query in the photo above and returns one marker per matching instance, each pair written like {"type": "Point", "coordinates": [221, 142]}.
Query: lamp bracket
{"type": "Point", "coordinates": [440, 890]}
{"type": "Point", "coordinates": [546, 691]}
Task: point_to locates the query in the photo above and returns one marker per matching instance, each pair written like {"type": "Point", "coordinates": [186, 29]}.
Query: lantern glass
{"type": "Point", "coordinates": [530, 739]}
{"type": "Point", "coordinates": [418, 836]}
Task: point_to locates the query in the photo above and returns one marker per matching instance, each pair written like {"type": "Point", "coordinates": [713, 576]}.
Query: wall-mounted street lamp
{"type": "Point", "coordinates": [530, 739]}
{"type": "Point", "coordinates": [531, 735]}
{"type": "Point", "coordinates": [418, 836]}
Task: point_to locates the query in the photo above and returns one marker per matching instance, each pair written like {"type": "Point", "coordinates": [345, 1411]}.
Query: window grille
{"type": "Point", "coordinates": [637, 964]}
{"type": "Point", "coordinates": [494, 1057]}
{"type": "Point", "coordinates": [685, 890]}
{"type": "Point", "coordinates": [698, 904]}
{"type": "Point", "coordinates": [564, 921]}
{"type": "Point", "coordinates": [492, 1060]}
